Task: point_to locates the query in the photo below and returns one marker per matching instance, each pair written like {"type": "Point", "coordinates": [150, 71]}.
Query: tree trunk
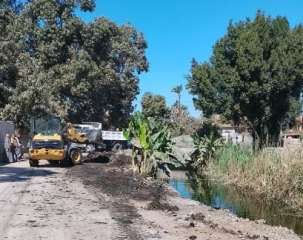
{"type": "Point", "coordinates": [179, 108]}
{"type": "Point", "coordinates": [266, 136]}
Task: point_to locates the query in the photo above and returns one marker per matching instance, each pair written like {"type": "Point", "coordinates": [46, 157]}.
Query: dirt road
{"type": "Point", "coordinates": [42, 203]}
{"type": "Point", "coordinates": [99, 200]}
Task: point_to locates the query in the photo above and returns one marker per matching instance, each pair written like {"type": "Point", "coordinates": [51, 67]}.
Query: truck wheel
{"type": "Point", "coordinates": [33, 163]}
{"type": "Point", "coordinates": [75, 156]}
{"type": "Point", "coordinates": [117, 147]}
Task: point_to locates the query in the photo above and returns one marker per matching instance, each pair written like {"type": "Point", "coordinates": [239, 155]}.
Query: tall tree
{"type": "Point", "coordinates": [9, 49]}
{"type": "Point", "coordinates": [178, 90]}
{"type": "Point", "coordinates": [154, 106]}
{"type": "Point", "coordinates": [254, 75]}
{"type": "Point", "coordinates": [72, 69]}
{"type": "Point", "coordinates": [180, 120]}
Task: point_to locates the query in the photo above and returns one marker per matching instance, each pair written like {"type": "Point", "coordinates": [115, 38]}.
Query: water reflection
{"type": "Point", "coordinates": [243, 205]}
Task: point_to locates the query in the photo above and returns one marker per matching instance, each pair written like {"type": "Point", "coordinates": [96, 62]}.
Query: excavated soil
{"type": "Point", "coordinates": [110, 175]}
{"type": "Point", "coordinates": [104, 199]}
{"type": "Point", "coordinates": [149, 209]}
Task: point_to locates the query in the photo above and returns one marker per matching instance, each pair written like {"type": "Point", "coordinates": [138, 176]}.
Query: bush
{"type": "Point", "coordinates": [207, 141]}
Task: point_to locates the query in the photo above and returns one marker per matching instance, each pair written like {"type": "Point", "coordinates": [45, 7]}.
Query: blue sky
{"type": "Point", "coordinates": [178, 30]}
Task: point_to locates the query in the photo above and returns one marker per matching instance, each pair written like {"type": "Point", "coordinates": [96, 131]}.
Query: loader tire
{"type": "Point", "coordinates": [75, 156]}
{"type": "Point", "coordinates": [33, 163]}
{"type": "Point", "coordinates": [53, 163]}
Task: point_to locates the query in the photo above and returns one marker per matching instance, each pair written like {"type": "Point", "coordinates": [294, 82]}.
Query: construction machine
{"type": "Point", "coordinates": [63, 143]}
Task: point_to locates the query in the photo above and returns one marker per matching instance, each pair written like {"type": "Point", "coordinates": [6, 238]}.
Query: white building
{"type": "Point", "coordinates": [230, 134]}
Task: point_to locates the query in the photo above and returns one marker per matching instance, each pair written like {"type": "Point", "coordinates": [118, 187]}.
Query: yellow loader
{"type": "Point", "coordinates": [56, 144]}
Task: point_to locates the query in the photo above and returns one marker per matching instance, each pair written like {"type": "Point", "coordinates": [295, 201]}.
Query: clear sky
{"type": "Point", "coordinates": [178, 30]}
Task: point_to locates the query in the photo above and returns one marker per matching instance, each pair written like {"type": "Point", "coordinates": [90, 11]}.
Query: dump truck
{"type": "Point", "coordinates": [111, 140]}
{"type": "Point", "coordinates": [115, 140]}
{"type": "Point", "coordinates": [63, 143]}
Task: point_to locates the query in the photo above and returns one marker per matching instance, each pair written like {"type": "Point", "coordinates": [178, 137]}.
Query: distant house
{"type": "Point", "coordinates": [232, 135]}
{"type": "Point", "coordinates": [5, 128]}
{"type": "Point", "coordinates": [291, 139]}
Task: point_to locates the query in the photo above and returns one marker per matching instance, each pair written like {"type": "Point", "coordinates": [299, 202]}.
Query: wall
{"type": "Point", "coordinates": [230, 134]}
{"type": "Point", "coordinates": [5, 127]}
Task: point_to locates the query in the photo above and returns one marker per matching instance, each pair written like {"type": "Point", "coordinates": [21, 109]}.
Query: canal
{"type": "Point", "coordinates": [243, 205]}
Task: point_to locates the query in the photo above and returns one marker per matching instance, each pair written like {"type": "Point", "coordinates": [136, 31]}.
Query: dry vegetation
{"type": "Point", "coordinates": [273, 173]}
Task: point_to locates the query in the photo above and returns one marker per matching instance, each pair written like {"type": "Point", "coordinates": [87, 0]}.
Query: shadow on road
{"type": "Point", "coordinates": [14, 174]}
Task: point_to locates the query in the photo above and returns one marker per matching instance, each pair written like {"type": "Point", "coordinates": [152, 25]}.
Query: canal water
{"type": "Point", "coordinates": [221, 196]}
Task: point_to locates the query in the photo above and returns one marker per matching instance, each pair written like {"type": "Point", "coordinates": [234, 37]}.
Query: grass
{"type": "Point", "coordinates": [273, 173]}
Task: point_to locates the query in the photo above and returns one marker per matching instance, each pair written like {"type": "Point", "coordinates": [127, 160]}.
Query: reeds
{"type": "Point", "coordinates": [273, 173]}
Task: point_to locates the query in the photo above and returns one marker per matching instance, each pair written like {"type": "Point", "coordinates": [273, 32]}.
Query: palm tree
{"type": "Point", "coordinates": [178, 90]}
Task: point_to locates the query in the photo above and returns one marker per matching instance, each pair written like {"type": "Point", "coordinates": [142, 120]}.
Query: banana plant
{"type": "Point", "coordinates": [205, 148]}
{"type": "Point", "coordinates": [152, 145]}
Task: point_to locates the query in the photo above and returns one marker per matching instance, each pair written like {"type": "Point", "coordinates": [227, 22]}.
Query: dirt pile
{"type": "Point", "coordinates": [148, 209]}
{"type": "Point", "coordinates": [115, 179]}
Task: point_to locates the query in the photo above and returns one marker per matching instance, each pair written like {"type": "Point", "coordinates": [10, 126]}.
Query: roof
{"type": "Point", "coordinates": [40, 137]}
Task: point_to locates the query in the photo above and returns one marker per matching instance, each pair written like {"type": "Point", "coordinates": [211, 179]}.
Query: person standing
{"type": "Point", "coordinates": [18, 147]}
{"type": "Point", "coordinates": [13, 146]}
{"type": "Point", "coordinates": [7, 145]}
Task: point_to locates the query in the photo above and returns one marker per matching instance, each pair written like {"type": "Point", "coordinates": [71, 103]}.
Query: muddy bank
{"type": "Point", "coordinates": [145, 209]}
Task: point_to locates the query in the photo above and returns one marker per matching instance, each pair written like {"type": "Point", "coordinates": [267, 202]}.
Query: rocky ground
{"type": "Point", "coordinates": [105, 200]}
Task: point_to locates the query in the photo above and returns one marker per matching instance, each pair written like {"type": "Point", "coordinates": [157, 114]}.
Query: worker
{"type": "Point", "coordinates": [18, 147]}
{"type": "Point", "coordinates": [13, 146]}
{"type": "Point", "coordinates": [7, 144]}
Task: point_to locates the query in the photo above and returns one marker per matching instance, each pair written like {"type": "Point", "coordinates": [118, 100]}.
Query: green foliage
{"type": "Point", "coordinates": [232, 154]}
{"type": "Point", "coordinates": [181, 123]}
{"type": "Point", "coordinates": [177, 89]}
{"type": "Point", "coordinates": [254, 75]}
{"type": "Point", "coordinates": [272, 173]}
{"type": "Point", "coordinates": [176, 117]}
{"type": "Point", "coordinates": [152, 145]}
{"type": "Point", "coordinates": [56, 63]}
{"type": "Point", "coordinates": [207, 129]}
{"type": "Point", "coordinates": [207, 141]}
{"type": "Point", "coordinates": [154, 106]}
{"type": "Point", "coordinates": [205, 149]}
{"type": "Point", "coordinates": [8, 50]}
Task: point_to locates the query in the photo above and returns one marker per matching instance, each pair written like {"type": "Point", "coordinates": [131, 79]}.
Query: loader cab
{"type": "Point", "coordinates": [46, 141]}
{"type": "Point", "coordinates": [45, 126]}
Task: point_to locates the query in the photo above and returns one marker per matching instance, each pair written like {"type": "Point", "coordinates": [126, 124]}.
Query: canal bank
{"type": "Point", "coordinates": [244, 205]}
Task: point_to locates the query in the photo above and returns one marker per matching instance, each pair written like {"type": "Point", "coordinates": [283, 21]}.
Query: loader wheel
{"type": "Point", "coordinates": [33, 163]}
{"type": "Point", "coordinates": [76, 156]}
